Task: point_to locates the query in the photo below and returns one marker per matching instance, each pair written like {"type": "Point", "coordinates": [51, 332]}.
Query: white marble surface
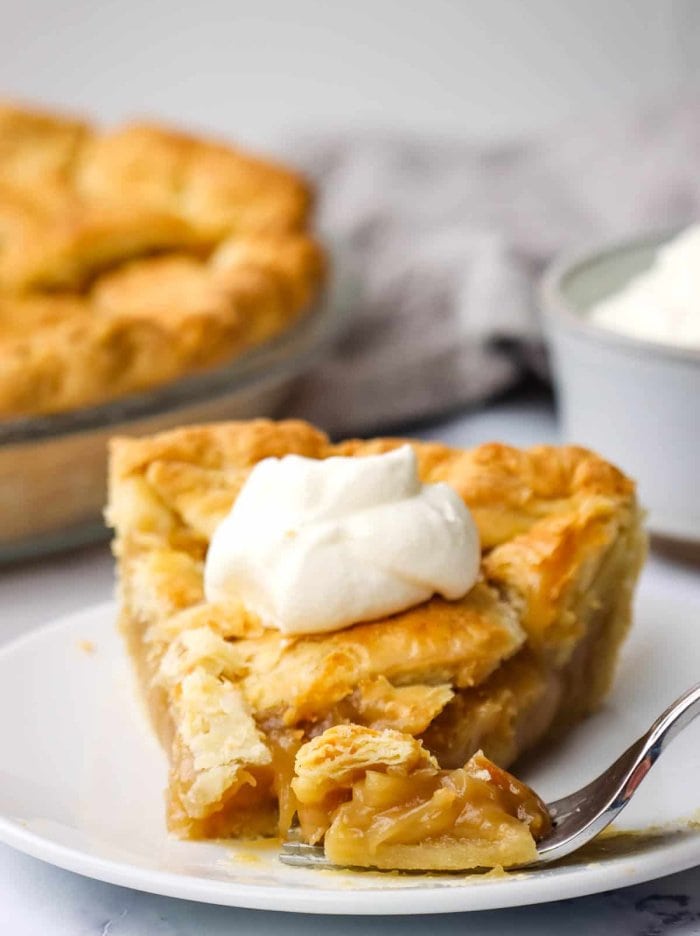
{"type": "Point", "coordinates": [36, 898]}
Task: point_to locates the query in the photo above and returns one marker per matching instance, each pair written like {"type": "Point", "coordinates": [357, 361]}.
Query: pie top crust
{"type": "Point", "coordinates": [132, 257]}
{"type": "Point", "coordinates": [547, 518]}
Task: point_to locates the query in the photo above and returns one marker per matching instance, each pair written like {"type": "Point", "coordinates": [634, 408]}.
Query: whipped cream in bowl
{"type": "Point", "coordinates": [663, 302]}
{"type": "Point", "coordinates": [312, 546]}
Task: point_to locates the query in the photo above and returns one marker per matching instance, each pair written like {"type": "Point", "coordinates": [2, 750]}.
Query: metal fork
{"type": "Point", "coordinates": [579, 817]}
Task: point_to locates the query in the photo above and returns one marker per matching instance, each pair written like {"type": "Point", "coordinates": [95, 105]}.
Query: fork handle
{"type": "Point", "coordinates": [628, 771]}
{"type": "Point", "coordinates": [676, 717]}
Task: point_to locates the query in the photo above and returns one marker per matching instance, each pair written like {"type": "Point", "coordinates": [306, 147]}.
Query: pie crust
{"type": "Point", "coordinates": [132, 257]}
{"type": "Point", "coordinates": [242, 711]}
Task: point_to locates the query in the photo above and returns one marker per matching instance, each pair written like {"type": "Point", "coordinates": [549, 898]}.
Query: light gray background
{"type": "Point", "coordinates": [488, 68]}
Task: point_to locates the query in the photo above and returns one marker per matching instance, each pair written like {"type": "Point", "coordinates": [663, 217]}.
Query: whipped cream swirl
{"type": "Point", "coordinates": [317, 545]}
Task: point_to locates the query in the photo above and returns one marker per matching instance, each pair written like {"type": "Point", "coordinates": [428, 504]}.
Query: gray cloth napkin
{"type": "Point", "coordinates": [444, 242]}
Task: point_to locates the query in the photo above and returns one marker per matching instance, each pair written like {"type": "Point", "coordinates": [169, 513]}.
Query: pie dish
{"type": "Point", "coordinates": [256, 723]}
{"type": "Point", "coordinates": [133, 257]}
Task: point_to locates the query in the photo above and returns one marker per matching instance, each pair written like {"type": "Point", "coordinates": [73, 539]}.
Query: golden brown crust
{"type": "Point", "coordinates": [538, 633]}
{"type": "Point", "coordinates": [343, 753]}
{"type": "Point", "coordinates": [130, 258]}
{"type": "Point", "coordinates": [37, 148]}
{"type": "Point", "coordinates": [441, 641]}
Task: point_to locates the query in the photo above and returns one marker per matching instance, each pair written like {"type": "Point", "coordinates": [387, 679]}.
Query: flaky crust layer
{"type": "Point", "coordinates": [129, 258]}
{"type": "Point", "coordinates": [562, 545]}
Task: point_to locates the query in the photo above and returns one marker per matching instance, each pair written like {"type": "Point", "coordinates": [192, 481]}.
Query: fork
{"type": "Point", "coordinates": [579, 817]}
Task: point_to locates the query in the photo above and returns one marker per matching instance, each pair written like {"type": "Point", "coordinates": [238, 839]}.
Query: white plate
{"type": "Point", "coordinates": [81, 784]}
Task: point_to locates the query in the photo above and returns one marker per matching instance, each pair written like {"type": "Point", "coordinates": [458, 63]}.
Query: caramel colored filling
{"type": "Point", "coordinates": [428, 819]}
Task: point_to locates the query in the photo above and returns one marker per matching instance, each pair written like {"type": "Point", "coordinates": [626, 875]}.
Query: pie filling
{"type": "Point", "coordinates": [387, 811]}
{"type": "Point", "coordinates": [386, 741]}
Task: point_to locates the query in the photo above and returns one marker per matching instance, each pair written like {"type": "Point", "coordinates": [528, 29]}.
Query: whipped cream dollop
{"type": "Point", "coordinates": [317, 545]}
{"type": "Point", "coordinates": [663, 303]}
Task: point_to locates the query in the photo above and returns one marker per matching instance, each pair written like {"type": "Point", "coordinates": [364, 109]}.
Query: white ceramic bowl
{"type": "Point", "coordinates": [636, 402]}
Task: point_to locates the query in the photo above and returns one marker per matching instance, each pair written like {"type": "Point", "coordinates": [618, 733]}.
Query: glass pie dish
{"type": "Point", "coordinates": [53, 467]}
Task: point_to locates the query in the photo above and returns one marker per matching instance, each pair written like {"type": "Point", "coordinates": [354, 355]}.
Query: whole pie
{"type": "Point", "coordinates": [134, 256]}
{"type": "Point", "coordinates": [386, 741]}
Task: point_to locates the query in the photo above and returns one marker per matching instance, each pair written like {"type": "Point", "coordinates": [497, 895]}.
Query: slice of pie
{"type": "Point", "coordinates": [414, 707]}
{"type": "Point", "coordinates": [135, 256]}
